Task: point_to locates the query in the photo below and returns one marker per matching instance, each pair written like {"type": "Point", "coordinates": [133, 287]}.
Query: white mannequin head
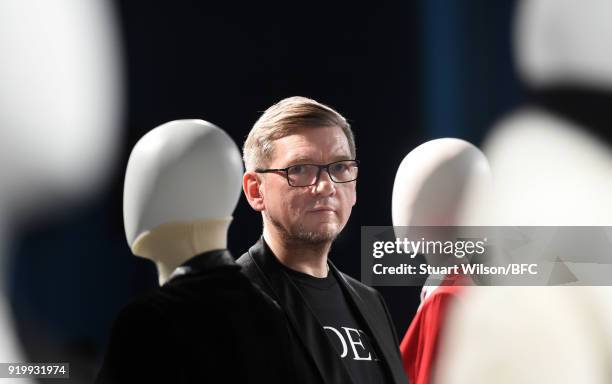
{"type": "Point", "coordinates": [60, 102]}
{"type": "Point", "coordinates": [435, 183]}
{"type": "Point", "coordinates": [564, 41]}
{"type": "Point", "coordinates": [441, 183]}
{"type": "Point", "coordinates": [182, 184]}
{"type": "Point", "coordinates": [550, 170]}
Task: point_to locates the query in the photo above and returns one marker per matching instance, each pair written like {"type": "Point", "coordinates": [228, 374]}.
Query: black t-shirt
{"type": "Point", "coordinates": [330, 307]}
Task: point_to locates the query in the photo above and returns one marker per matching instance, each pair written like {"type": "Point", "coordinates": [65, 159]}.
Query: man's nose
{"type": "Point", "coordinates": [325, 185]}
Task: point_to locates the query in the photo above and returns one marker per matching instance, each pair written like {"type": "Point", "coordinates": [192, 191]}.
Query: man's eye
{"type": "Point", "coordinates": [339, 168]}
{"type": "Point", "coordinates": [296, 169]}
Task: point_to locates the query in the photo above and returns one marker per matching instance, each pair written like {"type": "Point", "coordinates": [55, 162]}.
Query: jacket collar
{"type": "Point", "coordinates": [205, 262]}
{"type": "Point", "coordinates": [211, 260]}
{"type": "Point", "coordinates": [383, 346]}
{"type": "Point", "coordinates": [302, 320]}
{"type": "Point", "coordinates": [305, 323]}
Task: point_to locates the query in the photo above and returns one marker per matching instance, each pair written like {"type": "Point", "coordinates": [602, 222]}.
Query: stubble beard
{"type": "Point", "coordinates": [301, 235]}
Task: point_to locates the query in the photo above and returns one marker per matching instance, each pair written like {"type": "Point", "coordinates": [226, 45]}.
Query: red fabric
{"type": "Point", "coordinates": [419, 347]}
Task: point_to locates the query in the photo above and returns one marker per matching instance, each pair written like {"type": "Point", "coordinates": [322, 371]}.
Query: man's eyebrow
{"type": "Point", "coordinates": [300, 159]}
{"type": "Point", "coordinates": [309, 160]}
{"type": "Point", "coordinates": [341, 157]}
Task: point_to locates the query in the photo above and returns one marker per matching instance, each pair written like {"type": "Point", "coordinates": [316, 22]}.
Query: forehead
{"type": "Point", "coordinates": [319, 144]}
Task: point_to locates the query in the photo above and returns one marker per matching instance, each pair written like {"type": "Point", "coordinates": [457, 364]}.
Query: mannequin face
{"type": "Point", "coordinates": [316, 213]}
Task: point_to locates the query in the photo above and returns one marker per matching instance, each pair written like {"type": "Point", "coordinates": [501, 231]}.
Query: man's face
{"type": "Point", "coordinates": [316, 213]}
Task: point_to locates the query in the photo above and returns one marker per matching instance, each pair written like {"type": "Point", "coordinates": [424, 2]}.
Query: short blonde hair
{"type": "Point", "coordinates": [282, 119]}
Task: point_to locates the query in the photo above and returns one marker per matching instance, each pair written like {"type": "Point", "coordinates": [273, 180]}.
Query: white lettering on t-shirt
{"type": "Point", "coordinates": [354, 339]}
{"type": "Point", "coordinates": [344, 348]}
{"type": "Point", "coordinates": [354, 343]}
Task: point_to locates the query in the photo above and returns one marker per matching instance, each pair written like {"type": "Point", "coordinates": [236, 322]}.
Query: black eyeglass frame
{"type": "Point", "coordinates": [321, 167]}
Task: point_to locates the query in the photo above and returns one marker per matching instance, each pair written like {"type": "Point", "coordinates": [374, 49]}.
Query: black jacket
{"type": "Point", "coordinates": [315, 358]}
{"type": "Point", "coordinates": [208, 326]}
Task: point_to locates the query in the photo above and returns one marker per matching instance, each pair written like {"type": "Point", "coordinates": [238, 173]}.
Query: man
{"type": "Point", "coordinates": [300, 174]}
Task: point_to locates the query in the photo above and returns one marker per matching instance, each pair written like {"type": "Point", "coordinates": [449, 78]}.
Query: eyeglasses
{"type": "Point", "coordinates": [304, 175]}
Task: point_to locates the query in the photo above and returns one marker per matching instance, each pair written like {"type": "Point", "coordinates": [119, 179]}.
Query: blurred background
{"type": "Point", "coordinates": [401, 72]}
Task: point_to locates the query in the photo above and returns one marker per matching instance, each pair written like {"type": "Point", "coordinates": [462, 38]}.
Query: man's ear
{"type": "Point", "coordinates": [251, 188]}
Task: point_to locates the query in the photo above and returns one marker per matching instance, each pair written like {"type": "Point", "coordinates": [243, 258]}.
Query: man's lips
{"type": "Point", "coordinates": [323, 209]}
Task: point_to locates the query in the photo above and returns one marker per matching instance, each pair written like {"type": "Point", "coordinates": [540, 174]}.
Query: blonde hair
{"type": "Point", "coordinates": [282, 119]}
